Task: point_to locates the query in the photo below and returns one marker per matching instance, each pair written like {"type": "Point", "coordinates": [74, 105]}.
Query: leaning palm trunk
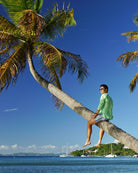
{"type": "Point", "coordinates": [108, 127]}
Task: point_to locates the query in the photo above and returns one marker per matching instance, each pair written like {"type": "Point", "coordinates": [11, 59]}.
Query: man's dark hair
{"type": "Point", "coordinates": [105, 86]}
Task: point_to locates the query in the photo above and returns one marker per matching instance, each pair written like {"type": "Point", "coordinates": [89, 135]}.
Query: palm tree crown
{"type": "Point", "coordinates": [24, 33]}
{"type": "Point", "coordinates": [128, 57]}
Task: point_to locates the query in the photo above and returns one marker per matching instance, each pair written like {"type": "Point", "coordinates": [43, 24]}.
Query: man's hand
{"type": "Point", "coordinates": [93, 117]}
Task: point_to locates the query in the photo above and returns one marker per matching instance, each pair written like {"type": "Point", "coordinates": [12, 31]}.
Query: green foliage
{"type": "Point", "coordinates": [75, 64]}
{"type": "Point", "coordinates": [37, 5]}
{"type": "Point", "coordinates": [105, 149]}
{"type": "Point", "coordinates": [24, 34]}
{"type": "Point", "coordinates": [31, 25]}
{"type": "Point", "coordinates": [16, 8]}
{"type": "Point", "coordinates": [17, 5]}
{"type": "Point", "coordinates": [10, 68]}
{"type": "Point", "coordinates": [9, 33]}
{"type": "Point", "coordinates": [128, 57]}
{"type": "Point", "coordinates": [57, 21]}
{"type": "Point", "coordinates": [136, 19]}
{"type": "Point", "coordinates": [77, 153]}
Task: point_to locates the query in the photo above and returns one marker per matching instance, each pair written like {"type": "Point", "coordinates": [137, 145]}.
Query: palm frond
{"type": "Point", "coordinates": [61, 60]}
{"type": "Point", "coordinates": [136, 19]}
{"type": "Point", "coordinates": [38, 5]}
{"type": "Point", "coordinates": [7, 40]}
{"type": "Point", "coordinates": [76, 65]}
{"type": "Point", "coordinates": [133, 35]}
{"type": "Point", "coordinates": [31, 23]}
{"type": "Point", "coordinates": [53, 65]}
{"type": "Point", "coordinates": [51, 57]}
{"type": "Point", "coordinates": [55, 80]}
{"type": "Point", "coordinates": [17, 5]}
{"type": "Point", "coordinates": [133, 82]}
{"type": "Point", "coordinates": [128, 57]}
{"type": "Point", "coordinates": [9, 30]}
{"type": "Point", "coordinates": [11, 67]}
{"type": "Point", "coordinates": [15, 8]}
{"type": "Point", "coordinates": [57, 21]}
{"type": "Point", "coordinates": [6, 25]}
{"type": "Point", "coordinates": [20, 5]}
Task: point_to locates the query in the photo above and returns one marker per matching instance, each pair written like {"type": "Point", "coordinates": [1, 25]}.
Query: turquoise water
{"type": "Point", "coordinates": [68, 165]}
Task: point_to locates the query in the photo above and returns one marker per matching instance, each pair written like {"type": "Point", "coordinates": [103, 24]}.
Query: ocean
{"type": "Point", "coordinates": [68, 165]}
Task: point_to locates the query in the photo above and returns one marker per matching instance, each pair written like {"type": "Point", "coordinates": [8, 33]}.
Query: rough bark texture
{"type": "Point", "coordinates": [120, 135]}
{"type": "Point", "coordinates": [108, 127]}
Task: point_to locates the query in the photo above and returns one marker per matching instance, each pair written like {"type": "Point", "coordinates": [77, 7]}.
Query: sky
{"type": "Point", "coordinates": [29, 121]}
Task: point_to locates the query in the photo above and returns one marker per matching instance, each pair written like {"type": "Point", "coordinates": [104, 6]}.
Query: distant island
{"type": "Point", "coordinates": [105, 149]}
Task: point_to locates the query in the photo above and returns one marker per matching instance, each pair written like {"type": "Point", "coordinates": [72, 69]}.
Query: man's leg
{"type": "Point", "coordinates": [100, 137]}
{"type": "Point", "coordinates": [89, 131]}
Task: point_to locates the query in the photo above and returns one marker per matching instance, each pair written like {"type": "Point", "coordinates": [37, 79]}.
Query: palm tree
{"type": "Point", "coordinates": [128, 57]}
{"type": "Point", "coordinates": [21, 41]}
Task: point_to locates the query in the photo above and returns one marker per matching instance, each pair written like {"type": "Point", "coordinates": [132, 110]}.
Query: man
{"type": "Point", "coordinates": [103, 113]}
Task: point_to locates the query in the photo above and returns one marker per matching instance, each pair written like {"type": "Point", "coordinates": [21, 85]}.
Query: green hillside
{"type": "Point", "coordinates": [105, 149]}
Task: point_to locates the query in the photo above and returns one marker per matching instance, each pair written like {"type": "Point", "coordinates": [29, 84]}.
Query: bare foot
{"type": "Point", "coordinates": [87, 143]}
{"type": "Point", "coordinates": [98, 145]}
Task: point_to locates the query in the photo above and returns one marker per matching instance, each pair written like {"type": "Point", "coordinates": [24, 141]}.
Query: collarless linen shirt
{"type": "Point", "coordinates": [105, 106]}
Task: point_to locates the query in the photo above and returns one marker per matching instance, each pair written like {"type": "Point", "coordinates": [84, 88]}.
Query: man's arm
{"type": "Point", "coordinates": [96, 113]}
{"type": "Point", "coordinates": [100, 106]}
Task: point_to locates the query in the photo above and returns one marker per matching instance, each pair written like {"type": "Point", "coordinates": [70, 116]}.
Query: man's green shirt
{"type": "Point", "coordinates": [106, 106]}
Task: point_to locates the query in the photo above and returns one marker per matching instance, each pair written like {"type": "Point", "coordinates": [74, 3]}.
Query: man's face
{"type": "Point", "coordinates": [103, 90]}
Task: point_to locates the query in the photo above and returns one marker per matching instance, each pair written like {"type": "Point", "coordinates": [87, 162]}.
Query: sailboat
{"type": "Point", "coordinates": [83, 155]}
{"type": "Point", "coordinates": [111, 155]}
{"type": "Point", "coordinates": [63, 155]}
{"type": "Point", "coordinates": [66, 154]}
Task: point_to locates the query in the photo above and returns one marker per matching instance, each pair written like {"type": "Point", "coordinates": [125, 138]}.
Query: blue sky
{"type": "Point", "coordinates": [29, 122]}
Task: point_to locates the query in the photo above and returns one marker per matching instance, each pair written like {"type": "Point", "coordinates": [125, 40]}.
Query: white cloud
{"type": "Point", "coordinates": [48, 147]}
{"type": "Point", "coordinates": [32, 147]}
{"type": "Point", "coordinates": [10, 110]}
{"type": "Point", "coordinates": [72, 147]}
{"type": "Point", "coordinates": [15, 146]}
{"type": "Point", "coordinates": [4, 147]}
